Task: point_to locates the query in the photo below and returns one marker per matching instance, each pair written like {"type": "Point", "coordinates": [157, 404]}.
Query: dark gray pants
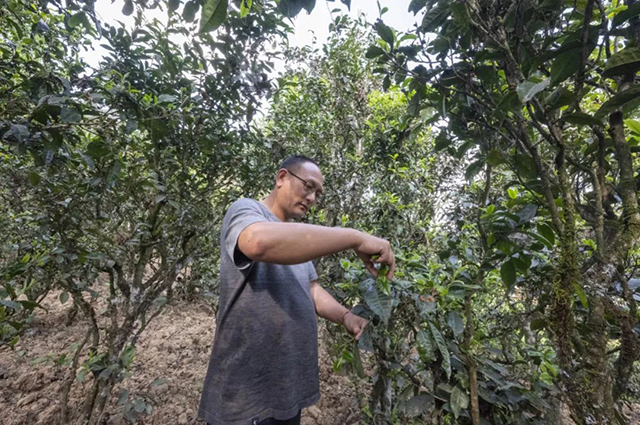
{"type": "Point", "coordinates": [293, 421]}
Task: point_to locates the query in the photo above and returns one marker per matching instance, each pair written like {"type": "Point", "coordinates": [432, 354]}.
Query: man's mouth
{"type": "Point", "coordinates": [304, 207]}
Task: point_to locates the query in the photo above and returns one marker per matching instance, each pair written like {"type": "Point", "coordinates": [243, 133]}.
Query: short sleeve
{"type": "Point", "coordinates": [240, 215]}
{"type": "Point", "coordinates": [312, 272]}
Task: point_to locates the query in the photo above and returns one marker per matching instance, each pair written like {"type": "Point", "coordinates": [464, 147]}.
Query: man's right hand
{"type": "Point", "coordinates": [371, 246]}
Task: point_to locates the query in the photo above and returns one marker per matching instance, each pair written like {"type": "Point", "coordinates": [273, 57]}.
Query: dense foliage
{"type": "Point", "coordinates": [495, 146]}
{"type": "Point", "coordinates": [540, 97]}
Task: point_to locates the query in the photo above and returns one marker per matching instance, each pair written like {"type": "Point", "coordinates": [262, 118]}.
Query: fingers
{"type": "Point", "coordinates": [376, 250]}
{"type": "Point", "coordinates": [369, 265]}
{"type": "Point", "coordinates": [392, 264]}
{"type": "Point", "coordinates": [360, 328]}
{"type": "Point", "coordinates": [390, 260]}
{"type": "Point", "coordinates": [371, 269]}
{"type": "Point", "coordinates": [367, 261]}
{"type": "Point", "coordinates": [386, 257]}
{"type": "Point", "coordinates": [392, 268]}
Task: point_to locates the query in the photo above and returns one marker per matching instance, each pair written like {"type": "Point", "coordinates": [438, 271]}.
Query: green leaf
{"type": "Point", "coordinates": [384, 32]}
{"type": "Point", "coordinates": [245, 7]}
{"type": "Point", "coordinates": [413, 108]}
{"type": "Point", "coordinates": [365, 340]}
{"type": "Point", "coordinates": [11, 304]}
{"type": "Point", "coordinates": [540, 239]}
{"type": "Point", "coordinates": [633, 125]}
{"type": "Point", "coordinates": [416, 5]}
{"type": "Point", "coordinates": [510, 102]}
{"type": "Point", "coordinates": [626, 100]}
{"type": "Point", "coordinates": [442, 346]}
{"type": "Point", "coordinates": [139, 405]}
{"type": "Point", "coordinates": [114, 173]}
{"type": "Point", "coordinates": [564, 66]}
{"type": "Point", "coordinates": [70, 115]}
{"type": "Point", "coordinates": [190, 10]}
{"type": "Point", "coordinates": [473, 169]}
{"type": "Point", "coordinates": [527, 213]}
{"type": "Point", "coordinates": [626, 61]}
{"type": "Point", "coordinates": [627, 14]}
{"type": "Point", "coordinates": [418, 405]}
{"type": "Point", "coordinates": [97, 149]}
{"type": "Point", "coordinates": [558, 98]}
{"type": "Point", "coordinates": [30, 305]}
{"type": "Point", "coordinates": [508, 273]}
{"type": "Point", "coordinates": [547, 232]}
{"type": "Point", "coordinates": [538, 324]}
{"type": "Point", "coordinates": [291, 8]}
{"type": "Point", "coordinates": [357, 361]}
{"type": "Point", "coordinates": [373, 52]}
{"type": "Point", "coordinates": [528, 89]}
{"type": "Point", "coordinates": [20, 132]}
{"type": "Point", "coordinates": [64, 297]}
{"type": "Point", "coordinates": [166, 98]}
{"type": "Point", "coordinates": [522, 263]}
{"type": "Point", "coordinates": [79, 18]}
{"type": "Point", "coordinates": [34, 178]}
{"type": "Point", "coordinates": [495, 158]}
{"type": "Point", "coordinates": [434, 17]}
{"type": "Point", "coordinates": [214, 12]}
{"type": "Point", "coordinates": [580, 118]}
{"type": "Point", "coordinates": [581, 295]}
{"type": "Point", "coordinates": [455, 322]}
{"type": "Point", "coordinates": [512, 192]}
{"type": "Point", "coordinates": [526, 166]}
{"type": "Point", "coordinates": [309, 5]}
{"type": "Point", "coordinates": [458, 401]}
{"type": "Point", "coordinates": [174, 5]}
{"type": "Point", "coordinates": [386, 83]}
{"type": "Point", "coordinates": [378, 302]}
{"type": "Point", "coordinates": [425, 343]}
{"type": "Point", "coordinates": [127, 9]}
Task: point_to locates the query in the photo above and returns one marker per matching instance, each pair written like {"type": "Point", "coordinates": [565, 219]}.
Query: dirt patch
{"type": "Point", "coordinates": [167, 373]}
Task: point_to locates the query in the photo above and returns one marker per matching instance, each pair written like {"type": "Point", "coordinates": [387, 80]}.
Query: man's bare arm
{"type": "Point", "coordinates": [326, 306]}
{"type": "Point", "coordinates": [295, 243]}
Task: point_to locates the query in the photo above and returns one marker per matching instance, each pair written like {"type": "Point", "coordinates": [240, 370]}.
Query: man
{"type": "Point", "coordinates": [264, 361]}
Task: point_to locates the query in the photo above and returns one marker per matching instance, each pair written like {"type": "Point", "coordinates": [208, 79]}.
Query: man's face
{"type": "Point", "coordinates": [299, 188]}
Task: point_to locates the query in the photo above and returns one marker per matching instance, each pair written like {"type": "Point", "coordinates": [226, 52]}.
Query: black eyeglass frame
{"type": "Point", "coordinates": [307, 186]}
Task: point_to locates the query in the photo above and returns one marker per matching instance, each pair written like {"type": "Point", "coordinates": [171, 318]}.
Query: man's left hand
{"type": "Point", "coordinates": [355, 324]}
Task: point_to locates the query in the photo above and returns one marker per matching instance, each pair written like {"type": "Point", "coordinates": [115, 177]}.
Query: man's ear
{"type": "Point", "coordinates": [280, 177]}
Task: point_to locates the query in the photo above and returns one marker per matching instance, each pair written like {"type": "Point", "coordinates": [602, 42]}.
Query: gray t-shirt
{"type": "Point", "coordinates": [264, 360]}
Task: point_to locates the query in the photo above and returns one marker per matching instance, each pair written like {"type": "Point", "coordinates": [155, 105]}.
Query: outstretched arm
{"type": "Point", "coordinates": [295, 243]}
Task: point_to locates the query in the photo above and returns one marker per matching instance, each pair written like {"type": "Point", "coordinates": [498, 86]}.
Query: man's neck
{"type": "Point", "coordinates": [270, 202]}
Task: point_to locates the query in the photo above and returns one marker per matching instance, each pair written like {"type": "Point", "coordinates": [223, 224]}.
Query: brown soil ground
{"type": "Point", "coordinates": [172, 354]}
{"type": "Point", "coordinates": [167, 373]}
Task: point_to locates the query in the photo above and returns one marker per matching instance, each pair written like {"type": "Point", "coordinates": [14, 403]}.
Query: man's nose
{"type": "Point", "coordinates": [311, 197]}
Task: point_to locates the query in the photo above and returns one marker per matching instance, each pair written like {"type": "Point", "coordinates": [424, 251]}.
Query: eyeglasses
{"type": "Point", "coordinates": [308, 188]}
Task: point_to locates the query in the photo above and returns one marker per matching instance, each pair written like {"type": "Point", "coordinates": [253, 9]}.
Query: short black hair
{"type": "Point", "coordinates": [295, 160]}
